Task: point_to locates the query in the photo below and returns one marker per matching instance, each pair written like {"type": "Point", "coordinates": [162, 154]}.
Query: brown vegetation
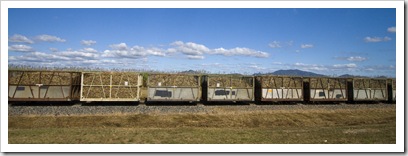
{"type": "Point", "coordinates": [224, 125]}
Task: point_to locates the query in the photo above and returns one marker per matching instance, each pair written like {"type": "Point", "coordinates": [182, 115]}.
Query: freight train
{"type": "Point", "coordinates": [42, 86]}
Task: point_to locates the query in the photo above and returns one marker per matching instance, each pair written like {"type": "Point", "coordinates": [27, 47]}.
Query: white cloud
{"type": "Point", "coordinates": [377, 39]}
{"type": "Point", "coordinates": [20, 38]}
{"type": "Point", "coordinates": [306, 46]}
{"type": "Point", "coordinates": [49, 38]}
{"type": "Point", "coordinates": [391, 29]}
{"type": "Point", "coordinates": [122, 50]}
{"type": "Point", "coordinates": [89, 50]}
{"type": "Point", "coordinates": [239, 51]}
{"type": "Point", "coordinates": [350, 65]}
{"type": "Point", "coordinates": [275, 44]}
{"type": "Point", "coordinates": [198, 50]}
{"type": "Point", "coordinates": [20, 48]}
{"type": "Point", "coordinates": [53, 49]}
{"type": "Point", "coordinates": [88, 42]}
{"type": "Point", "coordinates": [256, 67]}
{"type": "Point", "coordinates": [356, 58]}
{"type": "Point", "coordinates": [195, 57]}
{"type": "Point", "coordinates": [309, 67]}
{"type": "Point", "coordinates": [77, 55]}
{"type": "Point", "coordinates": [190, 48]}
{"type": "Point", "coordinates": [39, 57]}
{"type": "Point", "coordinates": [120, 46]}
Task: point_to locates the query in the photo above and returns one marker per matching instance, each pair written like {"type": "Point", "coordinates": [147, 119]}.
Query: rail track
{"type": "Point", "coordinates": [47, 109]}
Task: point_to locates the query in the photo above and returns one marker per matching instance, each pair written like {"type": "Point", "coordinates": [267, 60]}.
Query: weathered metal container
{"type": "Point", "coordinates": [327, 89]}
{"type": "Point", "coordinates": [174, 87]}
{"type": "Point", "coordinates": [367, 89]}
{"type": "Point", "coordinates": [281, 88]}
{"type": "Point", "coordinates": [43, 85]}
{"type": "Point", "coordinates": [394, 88]}
{"type": "Point", "coordinates": [230, 88]}
{"type": "Point", "coordinates": [110, 86]}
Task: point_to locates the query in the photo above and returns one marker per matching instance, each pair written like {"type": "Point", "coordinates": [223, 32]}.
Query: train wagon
{"type": "Point", "coordinates": [281, 88]}
{"type": "Point", "coordinates": [394, 88]}
{"type": "Point", "coordinates": [43, 85]}
{"type": "Point", "coordinates": [230, 88]}
{"type": "Point", "coordinates": [369, 89]}
{"type": "Point", "coordinates": [174, 87]}
{"type": "Point", "coordinates": [110, 86]}
{"type": "Point", "coordinates": [327, 89]}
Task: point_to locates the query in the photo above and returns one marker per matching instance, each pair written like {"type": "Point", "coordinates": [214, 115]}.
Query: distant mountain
{"type": "Point", "coordinates": [293, 72]}
{"type": "Point", "coordinates": [351, 76]}
{"type": "Point", "coordinates": [193, 72]}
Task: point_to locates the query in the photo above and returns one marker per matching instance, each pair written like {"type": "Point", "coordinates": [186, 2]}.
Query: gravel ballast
{"type": "Point", "coordinates": [67, 110]}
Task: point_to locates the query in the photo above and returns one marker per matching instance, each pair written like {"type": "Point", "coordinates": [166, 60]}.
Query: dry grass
{"type": "Point", "coordinates": [224, 126]}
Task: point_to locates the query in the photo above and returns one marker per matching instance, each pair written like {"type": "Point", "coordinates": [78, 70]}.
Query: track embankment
{"type": "Point", "coordinates": [68, 110]}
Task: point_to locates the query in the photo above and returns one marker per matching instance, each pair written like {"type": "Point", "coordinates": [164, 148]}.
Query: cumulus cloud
{"type": "Point", "coordinates": [196, 51]}
{"type": "Point", "coordinates": [122, 50]}
{"type": "Point", "coordinates": [306, 46]}
{"type": "Point", "coordinates": [39, 57]}
{"type": "Point", "coordinates": [256, 67]}
{"type": "Point", "coordinates": [356, 58]}
{"type": "Point", "coordinates": [53, 49]}
{"type": "Point", "coordinates": [240, 51]}
{"type": "Point", "coordinates": [391, 29]}
{"type": "Point", "coordinates": [78, 54]}
{"type": "Point", "coordinates": [278, 44]}
{"type": "Point", "coordinates": [309, 67]}
{"type": "Point", "coordinates": [20, 48]}
{"type": "Point", "coordinates": [352, 58]}
{"type": "Point", "coordinates": [20, 38]}
{"type": "Point", "coordinates": [88, 42]}
{"type": "Point", "coordinates": [89, 50]}
{"type": "Point", "coordinates": [350, 65]}
{"type": "Point", "coordinates": [190, 48]}
{"type": "Point", "coordinates": [49, 38]}
{"type": "Point", "coordinates": [195, 57]}
{"type": "Point", "coordinates": [377, 39]}
{"type": "Point", "coordinates": [120, 46]}
{"type": "Point", "coordinates": [275, 44]}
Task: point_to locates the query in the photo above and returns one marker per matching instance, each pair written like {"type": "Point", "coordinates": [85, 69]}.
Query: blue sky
{"type": "Point", "coordinates": [324, 41]}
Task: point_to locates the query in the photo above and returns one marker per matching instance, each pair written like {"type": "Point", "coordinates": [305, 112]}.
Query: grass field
{"type": "Point", "coordinates": [314, 126]}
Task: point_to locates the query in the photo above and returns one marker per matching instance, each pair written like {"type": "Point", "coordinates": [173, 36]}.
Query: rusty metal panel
{"type": "Point", "coordinates": [43, 85]}
{"type": "Point", "coordinates": [328, 89]}
{"type": "Point", "coordinates": [369, 89]}
{"type": "Point", "coordinates": [230, 88]}
{"type": "Point", "coordinates": [174, 87]}
{"type": "Point", "coordinates": [110, 86]}
{"type": "Point", "coordinates": [281, 88]}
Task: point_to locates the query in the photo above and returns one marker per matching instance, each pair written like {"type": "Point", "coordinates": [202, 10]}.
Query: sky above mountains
{"type": "Point", "coordinates": [354, 41]}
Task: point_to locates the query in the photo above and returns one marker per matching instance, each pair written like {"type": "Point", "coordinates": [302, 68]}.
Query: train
{"type": "Point", "coordinates": [105, 86]}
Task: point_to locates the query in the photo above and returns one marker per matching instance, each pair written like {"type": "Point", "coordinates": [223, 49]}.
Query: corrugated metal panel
{"type": "Point", "coordinates": [369, 89]}
{"type": "Point", "coordinates": [279, 88]}
{"type": "Point", "coordinates": [328, 89]}
{"type": "Point", "coordinates": [43, 85]}
{"type": "Point", "coordinates": [110, 86]}
{"type": "Point", "coordinates": [174, 87]}
{"type": "Point", "coordinates": [230, 88]}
